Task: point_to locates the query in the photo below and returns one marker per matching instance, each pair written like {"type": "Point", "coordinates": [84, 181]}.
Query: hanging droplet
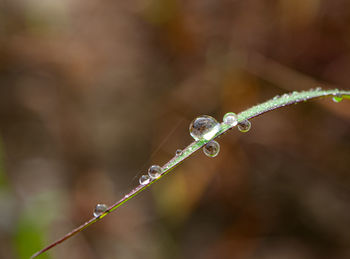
{"type": "Point", "coordinates": [154, 171]}
{"type": "Point", "coordinates": [100, 209]}
{"type": "Point", "coordinates": [144, 179]}
{"type": "Point", "coordinates": [230, 118]}
{"type": "Point", "coordinates": [244, 126]}
{"type": "Point", "coordinates": [211, 149]}
{"type": "Point", "coordinates": [204, 127]}
{"type": "Point", "coordinates": [178, 152]}
{"type": "Point", "coordinates": [337, 98]}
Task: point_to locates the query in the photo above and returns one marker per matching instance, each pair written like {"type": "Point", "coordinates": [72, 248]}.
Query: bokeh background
{"type": "Point", "coordinates": [94, 92]}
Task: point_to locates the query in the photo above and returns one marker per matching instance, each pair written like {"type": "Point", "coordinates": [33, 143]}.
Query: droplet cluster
{"type": "Point", "coordinates": [154, 172]}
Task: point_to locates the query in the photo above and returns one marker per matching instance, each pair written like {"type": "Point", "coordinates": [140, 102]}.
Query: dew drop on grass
{"type": "Point", "coordinates": [230, 118]}
{"type": "Point", "coordinates": [100, 209]}
{"type": "Point", "coordinates": [178, 152]}
{"type": "Point", "coordinates": [154, 171]}
{"type": "Point", "coordinates": [211, 149]}
{"type": "Point", "coordinates": [204, 127]}
{"type": "Point", "coordinates": [337, 98]}
{"type": "Point", "coordinates": [144, 179]}
{"type": "Point", "coordinates": [244, 126]}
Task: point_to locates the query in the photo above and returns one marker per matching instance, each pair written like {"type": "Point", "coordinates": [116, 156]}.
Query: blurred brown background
{"type": "Point", "coordinates": [94, 92]}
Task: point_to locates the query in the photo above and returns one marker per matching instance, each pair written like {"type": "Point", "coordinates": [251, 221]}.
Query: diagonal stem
{"type": "Point", "coordinates": [275, 103]}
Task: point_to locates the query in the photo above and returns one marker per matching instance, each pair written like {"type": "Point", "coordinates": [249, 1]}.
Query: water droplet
{"type": "Point", "coordinates": [100, 209]}
{"type": "Point", "coordinates": [337, 98]}
{"type": "Point", "coordinates": [178, 152]}
{"type": "Point", "coordinates": [276, 97]}
{"type": "Point", "coordinates": [211, 149]}
{"type": "Point", "coordinates": [244, 126]}
{"type": "Point", "coordinates": [144, 179]}
{"type": "Point", "coordinates": [204, 127]}
{"type": "Point", "coordinates": [318, 89]}
{"type": "Point", "coordinates": [230, 118]}
{"type": "Point", "coordinates": [154, 171]}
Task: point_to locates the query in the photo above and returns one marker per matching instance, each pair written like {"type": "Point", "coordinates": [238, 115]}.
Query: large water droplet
{"type": "Point", "coordinates": [244, 126]}
{"type": "Point", "coordinates": [337, 98]}
{"type": "Point", "coordinates": [144, 179]}
{"type": "Point", "coordinates": [154, 171]}
{"type": "Point", "coordinates": [100, 209]}
{"type": "Point", "coordinates": [204, 127]}
{"type": "Point", "coordinates": [211, 149]}
{"type": "Point", "coordinates": [230, 118]}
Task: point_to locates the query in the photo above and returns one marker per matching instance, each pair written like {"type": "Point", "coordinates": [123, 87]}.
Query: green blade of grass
{"type": "Point", "coordinates": [275, 103]}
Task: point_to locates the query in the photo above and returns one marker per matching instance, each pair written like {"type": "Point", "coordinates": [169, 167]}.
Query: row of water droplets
{"type": "Point", "coordinates": [201, 128]}
{"type": "Point", "coordinates": [337, 96]}
{"type": "Point", "coordinates": [154, 172]}
{"type": "Point", "coordinates": [206, 127]}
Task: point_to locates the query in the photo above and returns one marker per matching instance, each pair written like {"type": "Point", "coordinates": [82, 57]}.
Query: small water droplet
{"type": "Point", "coordinates": [178, 152]}
{"type": "Point", "coordinates": [230, 118]}
{"type": "Point", "coordinates": [144, 179]}
{"type": "Point", "coordinates": [337, 98]}
{"type": "Point", "coordinates": [100, 209]}
{"type": "Point", "coordinates": [244, 126]}
{"type": "Point", "coordinates": [204, 127]}
{"type": "Point", "coordinates": [211, 149]}
{"type": "Point", "coordinates": [318, 89]}
{"type": "Point", "coordinates": [276, 97]}
{"type": "Point", "coordinates": [154, 171]}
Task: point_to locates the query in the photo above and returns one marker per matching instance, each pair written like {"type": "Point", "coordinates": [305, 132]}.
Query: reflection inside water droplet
{"type": "Point", "coordinates": [154, 171]}
{"type": "Point", "coordinates": [211, 149]}
{"type": "Point", "coordinates": [178, 152]}
{"type": "Point", "coordinates": [144, 179]}
{"type": "Point", "coordinates": [100, 209]}
{"type": "Point", "coordinates": [244, 126]}
{"type": "Point", "coordinates": [337, 98]}
{"type": "Point", "coordinates": [230, 118]}
{"type": "Point", "coordinates": [204, 127]}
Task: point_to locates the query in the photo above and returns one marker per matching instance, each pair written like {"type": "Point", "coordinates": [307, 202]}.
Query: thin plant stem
{"type": "Point", "coordinates": [275, 103]}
